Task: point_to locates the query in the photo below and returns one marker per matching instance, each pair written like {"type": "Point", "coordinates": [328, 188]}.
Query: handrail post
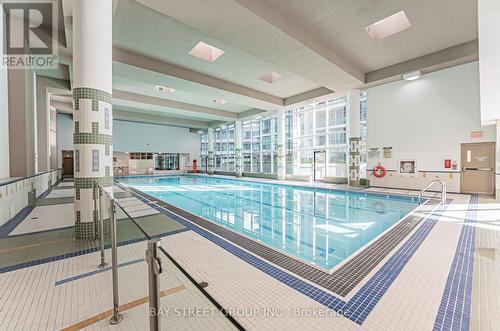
{"type": "Point", "coordinates": [101, 229]}
{"type": "Point", "coordinates": [94, 196]}
{"type": "Point", "coordinates": [154, 269]}
{"type": "Point", "coordinates": [117, 317]}
{"type": "Point", "coordinates": [443, 192]}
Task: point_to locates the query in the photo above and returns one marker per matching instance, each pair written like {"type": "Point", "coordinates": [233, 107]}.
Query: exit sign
{"type": "Point", "coordinates": [476, 134]}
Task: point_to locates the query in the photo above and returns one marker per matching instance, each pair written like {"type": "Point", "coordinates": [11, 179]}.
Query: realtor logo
{"type": "Point", "coordinates": [29, 35]}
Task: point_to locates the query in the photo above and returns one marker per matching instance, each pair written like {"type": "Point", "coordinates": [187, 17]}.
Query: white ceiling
{"type": "Point", "coordinates": [320, 47]}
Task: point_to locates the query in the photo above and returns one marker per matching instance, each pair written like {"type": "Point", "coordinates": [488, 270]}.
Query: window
{"type": "Point", "coordinates": [166, 161]}
{"type": "Point", "coordinates": [319, 126]}
{"type": "Point", "coordinates": [316, 127]}
{"type": "Point", "coordinates": [203, 149]}
{"type": "Point", "coordinates": [259, 143]}
{"type": "Point", "coordinates": [362, 166]}
{"type": "Point", "coordinates": [224, 147]}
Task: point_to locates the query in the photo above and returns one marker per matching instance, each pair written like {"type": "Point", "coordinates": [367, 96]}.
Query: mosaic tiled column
{"type": "Point", "coordinates": [238, 152]}
{"type": "Point", "coordinates": [92, 104]}
{"type": "Point", "coordinates": [280, 146]}
{"type": "Point", "coordinates": [210, 160]}
{"type": "Point", "coordinates": [353, 113]}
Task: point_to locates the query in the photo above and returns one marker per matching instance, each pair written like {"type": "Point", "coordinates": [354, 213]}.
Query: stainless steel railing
{"type": "Point", "coordinates": [443, 190]}
{"type": "Point", "coordinates": [105, 207]}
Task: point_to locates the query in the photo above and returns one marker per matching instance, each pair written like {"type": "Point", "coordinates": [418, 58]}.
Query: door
{"type": "Point", "coordinates": [319, 165]}
{"type": "Point", "coordinates": [478, 164]}
{"type": "Point", "coordinates": [67, 163]}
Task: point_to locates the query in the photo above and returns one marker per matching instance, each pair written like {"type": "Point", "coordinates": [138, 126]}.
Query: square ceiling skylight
{"type": "Point", "coordinates": [388, 26]}
{"type": "Point", "coordinates": [206, 52]}
{"type": "Point", "coordinates": [270, 77]}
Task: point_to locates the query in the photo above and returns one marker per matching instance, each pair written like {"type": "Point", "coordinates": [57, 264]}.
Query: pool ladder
{"type": "Point", "coordinates": [443, 190]}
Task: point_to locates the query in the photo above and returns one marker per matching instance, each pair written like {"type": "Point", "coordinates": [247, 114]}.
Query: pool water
{"type": "Point", "coordinates": [320, 226]}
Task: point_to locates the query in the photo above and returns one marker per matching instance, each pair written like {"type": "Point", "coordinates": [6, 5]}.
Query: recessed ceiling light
{"type": "Point", "coordinates": [388, 26]}
{"type": "Point", "coordinates": [412, 75]}
{"type": "Point", "coordinates": [270, 77]}
{"type": "Point", "coordinates": [164, 89]}
{"type": "Point", "coordinates": [206, 52]}
{"type": "Point", "coordinates": [313, 103]}
{"type": "Point", "coordinates": [219, 101]}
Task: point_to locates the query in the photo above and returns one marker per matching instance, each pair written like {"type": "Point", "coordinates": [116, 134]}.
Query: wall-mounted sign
{"type": "Point", "coordinates": [476, 134]}
{"type": "Point", "coordinates": [387, 152]}
{"type": "Point", "coordinates": [407, 167]}
{"type": "Point", "coordinates": [374, 153]}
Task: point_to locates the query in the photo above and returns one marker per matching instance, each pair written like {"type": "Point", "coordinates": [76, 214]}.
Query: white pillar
{"type": "Point", "coordinates": [92, 117]}
{"type": "Point", "coordinates": [238, 152]}
{"type": "Point", "coordinates": [210, 159]}
{"type": "Point", "coordinates": [354, 132]}
{"type": "Point", "coordinates": [497, 170]}
{"type": "Point", "coordinates": [280, 145]}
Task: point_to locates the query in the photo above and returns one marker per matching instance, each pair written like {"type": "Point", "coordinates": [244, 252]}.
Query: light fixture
{"type": "Point", "coordinates": [206, 52]}
{"type": "Point", "coordinates": [313, 103]}
{"type": "Point", "coordinates": [414, 75]}
{"type": "Point", "coordinates": [219, 101]}
{"type": "Point", "coordinates": [270, 77]}
{"type": "Point", "coordinates": [164, 89]}
{"type": "Point", "coordinates": [388, 26]}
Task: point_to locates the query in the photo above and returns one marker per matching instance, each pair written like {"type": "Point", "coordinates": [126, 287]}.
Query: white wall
{"type": "Point", "coordinates": [141, 137]}
{"type": "Point", "coordinates": [489, 58]}
{"type": "Point", "coordinates": [426, 120]}
{"type": "Point", "coordinates": [136, 137]}
{"type": "Point", "coordinates": [64, 129]}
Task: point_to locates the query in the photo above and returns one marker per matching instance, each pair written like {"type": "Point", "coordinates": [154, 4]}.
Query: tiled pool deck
{"type": "Point", "coordinates": [444, 275]}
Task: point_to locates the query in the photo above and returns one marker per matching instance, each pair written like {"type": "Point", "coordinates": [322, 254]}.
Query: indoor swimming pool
{"type": "Point", "coordinates": [319, 226]}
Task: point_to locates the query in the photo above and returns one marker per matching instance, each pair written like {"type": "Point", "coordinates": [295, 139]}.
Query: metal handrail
{"type": "Point", "coordinates": [117, 317]}
{"type": "Point", "coordinates": [443, 190]}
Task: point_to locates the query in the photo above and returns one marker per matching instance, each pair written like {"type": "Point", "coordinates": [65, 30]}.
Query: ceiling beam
{"type": "Point", "coordinates": [119, 114]}
{"type": "Point", "coordinates": [449, 57]}
{"type": "Point", "coordinates": [160, 102]}
{"type": "Point", "coordinates": [62, 107]}
{"type": "Point", "coordinates": [272, 15]}
{"type": "Point", "coordinates": [155, 65]}
{"type": "Point", "coordinates": [316, 93]}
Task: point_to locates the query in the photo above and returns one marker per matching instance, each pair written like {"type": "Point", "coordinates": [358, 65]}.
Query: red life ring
{"type": "Point", "coordinates": [379, 171]}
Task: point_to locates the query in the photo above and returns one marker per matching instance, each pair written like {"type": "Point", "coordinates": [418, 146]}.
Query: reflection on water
{"type": "Point", "coordinates": [319, 227]}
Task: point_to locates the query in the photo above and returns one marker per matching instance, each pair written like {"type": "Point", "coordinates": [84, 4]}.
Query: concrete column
{"type": "Point", "coordinates": [497, 170]}
{"type": "Point", "coordinates": [280, 145]}
{"type": "Point", "coordinates": [211, 160]}
{"type": "Point", "coordinates": [43, 86]}
{"type": "Point", "coordinates": [22, 123]}
{"type": "Point", "coordinates": [4, 112]}
{"type": "Point", "coordinates": [92, 118]}
{"type": "Point", "coordinates": [53, 138]}
{"type": "Point", "coordinates": [354, 132]}
{"type": "Point", "coordinates": [238, 152]}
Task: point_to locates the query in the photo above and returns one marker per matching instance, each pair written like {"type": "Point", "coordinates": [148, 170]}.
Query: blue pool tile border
{"type": "Point", "coordinates": [362, 303]}
{"type": "Point", "coordinates": [83, 252]}
{"type": "Point", "coordinates": [11, 224]}
{"type": "Point", "coordinates": [455, 307]}
{"type": "Point", "coordinates": [95, 272]}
